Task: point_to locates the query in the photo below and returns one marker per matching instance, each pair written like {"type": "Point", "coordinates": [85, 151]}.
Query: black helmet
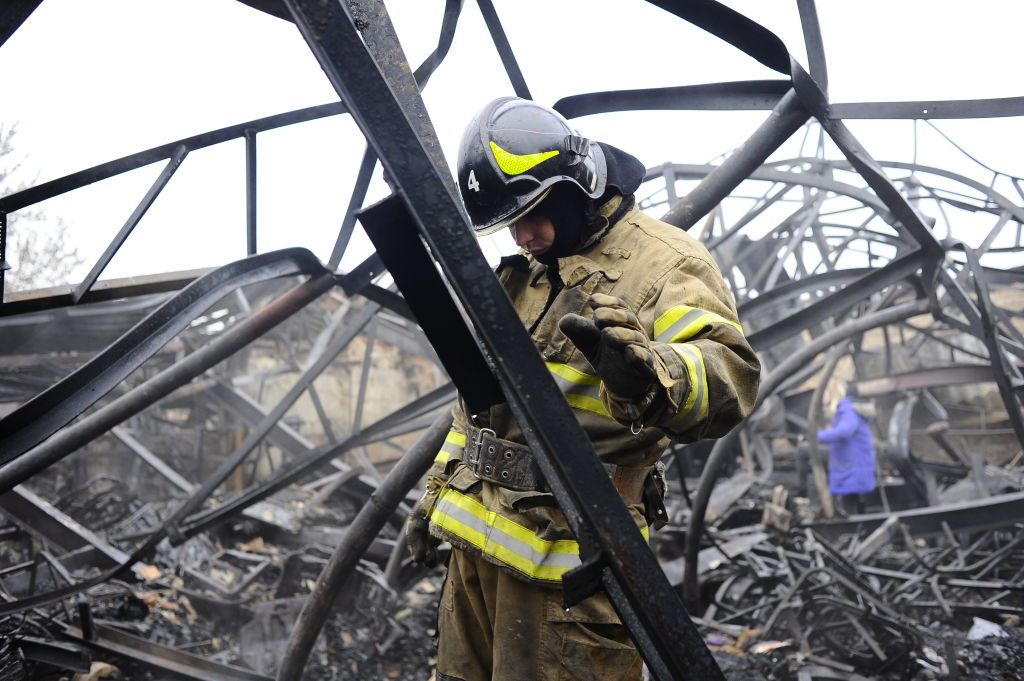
{"type": "Point", "coordinates": [513, 152]}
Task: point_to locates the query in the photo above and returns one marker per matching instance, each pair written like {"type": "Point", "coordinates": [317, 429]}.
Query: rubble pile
{"type": "Point", "coordinates": [222, 603]}
{"type": "Point", "coordinates": [883, 605]}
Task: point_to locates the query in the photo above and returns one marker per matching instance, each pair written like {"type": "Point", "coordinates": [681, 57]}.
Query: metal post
{"type": "Point", "coordinates": [250, 191]}
{"type": "Point", "coordinates": [3, 253]}
{"type": "Point", "coordinates": [786, 118]}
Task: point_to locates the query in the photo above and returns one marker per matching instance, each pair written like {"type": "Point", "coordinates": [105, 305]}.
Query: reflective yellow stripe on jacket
{"type": "Point", "coordinates": [504, 539]}
{"type": "Point", "coordinates": [683, 322]}
{"type": "Point", "coordinates": [452, 445]}
{"type": "Point", "coordinates": [581, 390]}
{"type": "Point", "coordinates": [674, 326]}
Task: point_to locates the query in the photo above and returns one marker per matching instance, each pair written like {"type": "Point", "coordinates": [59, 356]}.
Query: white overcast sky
{"type": "Point", "coordinates": [87, 82]}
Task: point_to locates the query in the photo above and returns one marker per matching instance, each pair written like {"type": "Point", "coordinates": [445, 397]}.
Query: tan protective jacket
{"type": "Point", "coordinates": [671, 282]}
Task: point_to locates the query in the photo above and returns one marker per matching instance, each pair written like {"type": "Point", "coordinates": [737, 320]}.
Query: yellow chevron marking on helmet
{"type": "Point", "coordinates": [517, 164]}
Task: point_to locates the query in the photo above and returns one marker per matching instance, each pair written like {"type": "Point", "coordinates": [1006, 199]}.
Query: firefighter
{"type": "Point", "coordinates": [636, 326]}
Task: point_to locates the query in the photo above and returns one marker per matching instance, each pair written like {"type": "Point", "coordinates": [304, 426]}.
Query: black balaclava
{"type": "Point", "coordinates": [570, 210]}
{"type": "Point", "coordinates": [566, 207]}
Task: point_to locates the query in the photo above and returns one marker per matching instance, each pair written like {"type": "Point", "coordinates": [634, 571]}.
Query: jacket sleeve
{"type": "Point", "coordinates": [447, 458]}
{"type": "Point", "coordinates": [713, 372]}
{"type": "Point", "coordinates": [844, 427]}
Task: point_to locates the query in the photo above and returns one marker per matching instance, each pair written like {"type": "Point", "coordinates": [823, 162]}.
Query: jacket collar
{"type": "Point", "coordinates": [574, 268]}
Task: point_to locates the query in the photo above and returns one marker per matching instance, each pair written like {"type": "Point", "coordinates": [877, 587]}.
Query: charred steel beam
{"type": "Point", "coordinates": [361, 533]}
{"type": "Point", "coordinates": [250, 191]}
{"type": "Point", "coordinates": [62, 655]}
{"type": "Point", "coordinates": [394, 234]}
{"type": "Point", "coordinates": [786, 118]}
{"type": "Point", "coordinates": [158, 464]}
{"type": "Point", "coordinates": [932, 377]}
{"type": "Point", "coordinates": [785, 293]}
{"type": "Point", "coordinates": [250, 411]}
{"type": "Point", "coordinates": [81, 433]}
{"type": "Point", "coordinates": [3, 254]}
{"type": "Point", "coordinates": [932, 109]}
{"type": "Point", "coordinates": [743, 95]}
{"type": "Point", "coordinates": [55, 407]}
{"type": "Point", "coordinates": [449, 21]}
{"type": "Point", "coordinates": [505, 51]}
{"type": "Point", "coordinates": [40, 518]}
{"type": "Point", "coordinates": [39, 300]}
{"type": "Point", "coordinates": [13, 15]}
{"type": "Point", "coordinates": [983, 514]}
{"type": "Point", "coordinates": [739, 31]}
{"type": "Point", "coordinates": [614, 551]}
{"type": "Point", "coordinates": [348, 224]}
{"type": "Point", "coordinates": [274, 8]}
{"type": "Point", "coordinates": [1008, 376]}
{"type": "Point", "coordinates": [813, 42]}
{"type": "Point", "coordinates": [162, 657]}
{"type": "Point", "coordinates": [133, 220]}
{"type": "Point", "coordinates": [375, 27]}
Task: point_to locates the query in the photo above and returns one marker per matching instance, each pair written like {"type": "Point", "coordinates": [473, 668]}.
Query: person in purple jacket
{"type": "Point", "coordinates": [851, 453]}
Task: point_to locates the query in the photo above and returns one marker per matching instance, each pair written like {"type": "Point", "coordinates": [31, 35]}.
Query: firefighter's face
{"type": "Point", "coordinates": [535, 233]}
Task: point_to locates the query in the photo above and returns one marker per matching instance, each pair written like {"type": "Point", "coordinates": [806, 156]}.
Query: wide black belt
{"type": "Point", "coordinates": [504, 463]}
{"type": "Point", "coordinates": [512, 465]}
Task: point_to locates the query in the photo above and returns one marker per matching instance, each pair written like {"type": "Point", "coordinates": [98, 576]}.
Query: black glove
{"type": "Point", "coordinates": [616, 346]}
{"type": "Point", "coordinates": [422, 546]}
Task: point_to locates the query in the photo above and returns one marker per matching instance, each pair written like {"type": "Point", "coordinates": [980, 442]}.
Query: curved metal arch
{"type": "Point", "coordinates": [692, 171]}
{"type": "Point", "coordinates": [999, 199]}
{"type": "Point", "coordinates": [55, 407]}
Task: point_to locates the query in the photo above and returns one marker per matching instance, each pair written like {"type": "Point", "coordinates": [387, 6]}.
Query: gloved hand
{"type": "Point", "coordinates": [616, 346]}
{"type": "Point", "coordinates": [422, 546]}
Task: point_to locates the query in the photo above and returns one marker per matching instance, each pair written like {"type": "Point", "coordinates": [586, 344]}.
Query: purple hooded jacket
{"type": "Point", "coordinates": [851, 457]}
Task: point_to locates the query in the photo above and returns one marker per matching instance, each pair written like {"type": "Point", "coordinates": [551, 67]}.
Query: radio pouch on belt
{"type": "Point", "coordinates": [654, 497]}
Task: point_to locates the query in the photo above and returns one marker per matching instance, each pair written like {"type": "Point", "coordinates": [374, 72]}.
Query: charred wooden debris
{"type": "Point", "coordinates": [185, 458]}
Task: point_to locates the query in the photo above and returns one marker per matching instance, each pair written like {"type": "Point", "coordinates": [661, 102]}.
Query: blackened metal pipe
{"type": "Point", "coordinates": [85, 431]}
{"type": "Point", "coordinates": [723, 447]}
{"type": "Point", "coordinates": [250, 191]}
{"type": "Point", "coordinates": [786, 118]}
{"type": "Point", "coordinates": [360, 535]}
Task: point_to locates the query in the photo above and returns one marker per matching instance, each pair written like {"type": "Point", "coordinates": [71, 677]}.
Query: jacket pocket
{"type": "Point", "coordinates": [580, 284]}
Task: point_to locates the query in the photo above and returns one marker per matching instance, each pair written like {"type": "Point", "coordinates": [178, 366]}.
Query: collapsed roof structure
{"type": "Point", "coordinates": [189, 379]}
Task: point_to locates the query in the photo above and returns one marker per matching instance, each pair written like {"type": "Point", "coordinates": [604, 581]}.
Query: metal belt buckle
{"type": "Point", "coordinates": [478, 442]}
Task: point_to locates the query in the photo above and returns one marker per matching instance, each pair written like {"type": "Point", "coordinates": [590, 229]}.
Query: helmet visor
{"type": "Point", "coordinates": [516, 213]}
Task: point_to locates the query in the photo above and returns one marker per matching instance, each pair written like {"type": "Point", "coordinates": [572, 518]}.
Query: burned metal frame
{"type": "Point", "coordinates": [836, 306]}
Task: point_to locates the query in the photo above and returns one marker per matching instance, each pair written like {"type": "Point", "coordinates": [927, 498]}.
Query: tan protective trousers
{"type": "Point", "coordinates": [495, 627]}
